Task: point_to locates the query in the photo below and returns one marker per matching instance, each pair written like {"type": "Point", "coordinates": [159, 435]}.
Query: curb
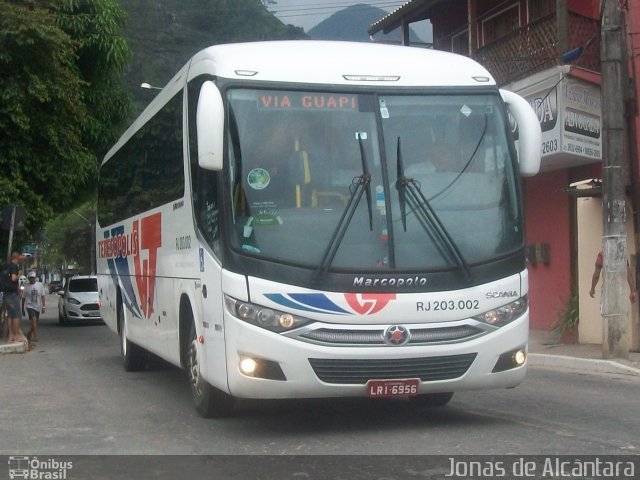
{"type": "Point", "coordinates": [17, 347]}
{"type": "Point", "coordinates": [584, 364]}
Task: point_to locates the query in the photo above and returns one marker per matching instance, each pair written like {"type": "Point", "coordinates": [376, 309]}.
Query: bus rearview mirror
{"type": "Point", "coordinates": [529, 147]}
{"type": "Point", "coordinates": [210, 123]}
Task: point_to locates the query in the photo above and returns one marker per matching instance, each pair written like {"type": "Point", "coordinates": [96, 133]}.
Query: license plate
{"type": "Point", "coordinates": [393, 388]}
{"type": "Point", "coordinates": [93, 314]}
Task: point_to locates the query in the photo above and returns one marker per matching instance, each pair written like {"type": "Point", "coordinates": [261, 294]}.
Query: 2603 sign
{"type": "Point", "coordinates": [550, 146]}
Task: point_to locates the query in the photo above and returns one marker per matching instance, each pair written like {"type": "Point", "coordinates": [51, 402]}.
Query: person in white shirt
{"type": "Point", "coordinates": [33, 300]}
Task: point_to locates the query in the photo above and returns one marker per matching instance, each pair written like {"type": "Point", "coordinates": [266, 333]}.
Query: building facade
{"type": "Point", "coordinates": [548, 51]}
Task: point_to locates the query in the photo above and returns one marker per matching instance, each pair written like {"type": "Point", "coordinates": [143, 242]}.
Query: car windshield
{"type": "Point", "coordinates": [434, 171]}
{"type": "Point", "coordinates": [83, 285]}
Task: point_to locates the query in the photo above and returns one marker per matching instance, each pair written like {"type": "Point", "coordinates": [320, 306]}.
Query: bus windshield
{"type": "Point", "coordinates": [388, 181]}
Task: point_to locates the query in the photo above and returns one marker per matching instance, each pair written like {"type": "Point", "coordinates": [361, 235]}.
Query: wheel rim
{"type": "Point", "coordinates": [194, 369]}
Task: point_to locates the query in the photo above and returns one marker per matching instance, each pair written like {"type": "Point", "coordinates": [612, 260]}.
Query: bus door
{"type": "Point", "coordinates": [211, 322]}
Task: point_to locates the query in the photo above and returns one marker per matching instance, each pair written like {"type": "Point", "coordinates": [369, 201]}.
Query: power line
{"type": "Point", "coordinates": [327, 8]}
{"type": "Point", "coordinates": [343, 4]}
{"type": "Point", "coordinates": [313, 9]}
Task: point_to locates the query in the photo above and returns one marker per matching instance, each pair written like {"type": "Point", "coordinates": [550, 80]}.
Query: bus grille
{"type": "Point", "coordinates": [332, 336]}
{"type": "Point", "coordinates": [428, 369]}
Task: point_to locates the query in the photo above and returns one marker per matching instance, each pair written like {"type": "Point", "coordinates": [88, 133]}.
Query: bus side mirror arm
{"type": "Point", "coordinates": [210, 125]}
{"type": "Point", "coordinates": [530, 137]}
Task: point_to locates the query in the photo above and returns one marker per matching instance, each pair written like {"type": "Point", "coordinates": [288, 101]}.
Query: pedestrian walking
{"type": "Point", "coordinates": [33, 299]}
{"type": "Point", "coordinates": [11, 299]}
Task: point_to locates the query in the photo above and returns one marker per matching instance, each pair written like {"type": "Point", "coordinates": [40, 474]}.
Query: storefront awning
{"type": "Point", "coordinates": [567, 101]}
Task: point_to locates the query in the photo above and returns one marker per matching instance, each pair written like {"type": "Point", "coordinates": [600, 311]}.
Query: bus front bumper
{"type": "Point", "coordinates": [290, 368]}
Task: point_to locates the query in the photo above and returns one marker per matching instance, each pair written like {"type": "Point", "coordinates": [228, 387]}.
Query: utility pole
{"type": "Point", "coordinates": [12, 222]}
{"type": "Point", "coordinates": [615, 299]}
{"type": "Point", "coordinates": [13, 219]}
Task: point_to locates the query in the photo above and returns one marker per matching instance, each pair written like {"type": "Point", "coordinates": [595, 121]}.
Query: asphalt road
{"type": "Point", "coordinates": [70, 395]}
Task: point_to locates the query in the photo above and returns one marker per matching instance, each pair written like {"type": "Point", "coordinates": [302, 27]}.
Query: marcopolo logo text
{"type": "Point", "coordinates": [390, 282]}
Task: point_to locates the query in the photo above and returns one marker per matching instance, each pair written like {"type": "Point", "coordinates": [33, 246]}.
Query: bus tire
{"type": "Point", "coordinates": [134, 358]}
{"type": "Point", "coordinates": [209, 401]}
{"type": "Point", "coordinates": [431, 399]}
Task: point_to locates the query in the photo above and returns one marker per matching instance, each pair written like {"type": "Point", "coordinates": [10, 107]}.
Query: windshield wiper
{"type": "Point", "coordinates": [238, 193]}
{"type": "Point", "coordinates": [409, 191]}
{"type": "Point", "coordinates": [359, 186]}
{"type": "Point", "coordinates": [401, 185]}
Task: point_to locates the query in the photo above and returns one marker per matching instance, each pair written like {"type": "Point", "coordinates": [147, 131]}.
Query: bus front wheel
{"type": "Point", "coordinates": [209, 401]}
{"type": "Point", "coordinates": [133, 357]}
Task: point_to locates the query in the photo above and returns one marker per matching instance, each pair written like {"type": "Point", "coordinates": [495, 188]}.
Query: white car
{"type": "Point", "coordinates": [79, 300]}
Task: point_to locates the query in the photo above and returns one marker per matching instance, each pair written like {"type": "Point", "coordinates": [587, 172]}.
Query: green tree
{"type": "Point", "coordinates": [102, 56]}
{"type": "Point", "coordinates": [68, 239]}
{"type": "Point", "coordinates": [60, 101]}
{"type": "Point", "coordinates": [164, 34]}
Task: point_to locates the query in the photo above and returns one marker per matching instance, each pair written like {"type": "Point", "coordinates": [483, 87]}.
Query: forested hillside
{"type": "Point", "coordinates": [164, 34]}
{"type": "Point", "coordinates": [352, 24]}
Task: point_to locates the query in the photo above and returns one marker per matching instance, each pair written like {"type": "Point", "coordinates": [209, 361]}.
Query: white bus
{"type": "Point", "coordinates": [321, 219]}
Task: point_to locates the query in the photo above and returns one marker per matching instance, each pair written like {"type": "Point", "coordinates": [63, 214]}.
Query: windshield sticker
{"type": "Point", "coordinates": [258, 178]}
{"type": "Point", "coordinates": [384, 111]}
{"type": "Point", "coordinates": [465, 110]}
{"type": "Point", "coordinates": [380, 197]}
{"type": "Point", "coordinates": [266, 217]}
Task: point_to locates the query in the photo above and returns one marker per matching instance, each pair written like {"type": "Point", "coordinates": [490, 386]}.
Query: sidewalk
{"type": "Point", "coordinates": [544, 350]}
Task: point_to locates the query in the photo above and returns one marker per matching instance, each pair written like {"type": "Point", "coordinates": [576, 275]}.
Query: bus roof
{"type": "Point", "coordinates": [335, 63]}
{"type": "Point", "coordinates": [321, 63]}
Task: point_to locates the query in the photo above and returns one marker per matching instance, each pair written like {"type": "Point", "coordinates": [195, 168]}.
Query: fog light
{"type": "Point", "coordinates": [509, 360]}
{"type": "Point", "coordinates": [260, 368]}
{"type": "Point", "coordinates": [248, 366]}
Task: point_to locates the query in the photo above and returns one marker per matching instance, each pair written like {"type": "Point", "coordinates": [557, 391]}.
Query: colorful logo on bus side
{"type": "Point", "coordinates": [356, 303]}
{"type": "Point", "coordinates": [142, 244]}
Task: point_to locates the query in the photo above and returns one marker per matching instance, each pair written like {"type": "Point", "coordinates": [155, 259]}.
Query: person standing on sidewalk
{"type": "Point", "coordinates": [12, 298]}
{"type": "Point", "coordinates": [33, 300]}
{"type": "Point", "coordinates": [596, 276]}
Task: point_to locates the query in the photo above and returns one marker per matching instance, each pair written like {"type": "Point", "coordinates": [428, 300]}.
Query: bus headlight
{"type": "Point", "coordinates": [264, 317]}
{"type": "Point", "coordinates": [500, 316]}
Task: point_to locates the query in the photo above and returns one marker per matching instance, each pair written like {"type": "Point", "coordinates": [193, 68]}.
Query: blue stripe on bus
{"type": "Point", "coordinates": [308, 302]}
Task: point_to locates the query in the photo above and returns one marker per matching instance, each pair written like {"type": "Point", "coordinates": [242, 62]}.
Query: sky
{"type": "Point", "coordinates": [308, 13]}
